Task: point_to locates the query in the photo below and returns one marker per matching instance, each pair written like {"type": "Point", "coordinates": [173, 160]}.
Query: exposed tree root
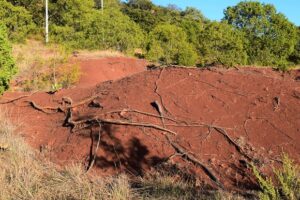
{"type": "Point", "coordinates": [232, 142]}
{"type": "Point", "coordinates": [84, 101]}
{"type": "Point", "coordinates": [96, 150]}
{"type": "Point", "coordinates": [47, 110]}
{"type": "Point", "coordinates": [18, 98]}
{"type": "Point", "coordinates": [228, 91]}
{"type": "Point", "coordinates": [156, 90]}
{"type": "Point", "coordinates": [159, 108]}
{"type": "Point", "coordinates": [67, 109]}
{"type": "Point", "coordinates": [144, 113]}
{"type": "Point", "coordinates": [181, 151]}
{"type": "Point", "coordinates": [67, 104]}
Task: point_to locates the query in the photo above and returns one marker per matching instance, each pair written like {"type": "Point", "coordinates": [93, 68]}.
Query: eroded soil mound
{"type": "Point", "coordinates": [209, 124]}
{"type": "Point", "coordinates": [103, 69]}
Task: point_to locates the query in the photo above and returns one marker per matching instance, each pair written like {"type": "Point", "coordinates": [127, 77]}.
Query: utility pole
{"type": "Point", "coordinates": [102, 8]}
{"type": "Point", "coordinates": [47, 23]}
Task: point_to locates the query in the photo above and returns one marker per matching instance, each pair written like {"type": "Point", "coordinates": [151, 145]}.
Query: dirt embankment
{"type": "Point", "coordinates": [99, 70]}
{"type": "Point", "coordinates": [208, 123]}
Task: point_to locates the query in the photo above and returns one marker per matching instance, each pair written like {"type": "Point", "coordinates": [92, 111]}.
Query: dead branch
{"type": "Point", "coordinates": [195, 161]}
{"type": "Point", "coordinates": [18, 98]}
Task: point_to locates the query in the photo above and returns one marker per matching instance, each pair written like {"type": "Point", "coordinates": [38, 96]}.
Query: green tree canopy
{"type": "Point", "coordinates": [271, 37]}
{"type": "Point", "coordinates": [114, 30]}
{"type": "Point", "coordinates": [295, 56]}
{"type": "Point", "coordinates": [7, 64]}
{"type": "Point", "coordinates": [34, 7]}
{"type": "Point", "coordinates": [81, 26]}
{"type": "Point", "coordinates": [168, 44]}
{"type": "Point", "coordinates": [17, 20]}
{"type": "Point", "coordinates": [220, 43]}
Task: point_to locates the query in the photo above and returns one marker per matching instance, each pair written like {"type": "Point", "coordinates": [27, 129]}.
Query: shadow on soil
{"type": "Point", "coordinates": [129, 155]}
{"type": "Point", "coordinates": [132, 156]}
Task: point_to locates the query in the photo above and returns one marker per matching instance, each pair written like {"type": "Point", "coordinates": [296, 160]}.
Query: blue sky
{"type": "Point", "coordinates": [213, 9]}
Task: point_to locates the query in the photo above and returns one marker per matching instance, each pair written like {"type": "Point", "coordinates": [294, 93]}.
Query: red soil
{"type": "Point", "coordinates": [99, 70]}
{"type": "Point", "coordinates": [258, 108]}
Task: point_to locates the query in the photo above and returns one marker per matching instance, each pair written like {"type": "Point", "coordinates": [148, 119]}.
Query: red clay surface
{"type": "Point", "coordinates": [258, 108]}
{"type": "Point", "coordinates": [99, 70]}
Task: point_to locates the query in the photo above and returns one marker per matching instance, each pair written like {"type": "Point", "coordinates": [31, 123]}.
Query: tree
{"type": "Point", "coordinates": [7, 64]}
{"type": "Point", "coordinates": [120, 32]}
{"type": "Point", "coordinates": [220, 43]}
{"type": "Point", "coordinates": [141, 4]}
{"type": "Point", "coordinates": [194, 14]}
{"type": "Point", "coordinates": [295, 56]}
{"type": "Point", "coordinates": [271, 37]}
{"type": "Point", "coordinates": [168, 44]}
{"type": "Point", "coordinates": [35, 7]}
{"type": "Point", "coordinates": [17, 20]}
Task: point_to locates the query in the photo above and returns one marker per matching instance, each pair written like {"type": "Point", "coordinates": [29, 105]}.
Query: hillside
{"type": "Point", "coordinates": [223, 119]}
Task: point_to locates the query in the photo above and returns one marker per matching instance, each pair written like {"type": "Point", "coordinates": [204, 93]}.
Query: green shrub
{"type": "Point", "coordinates": [93, 30]}
{"type": "Point", "coordinates": [7, 64]}
{"type": "Point", "coordinates": [17, 20]}
{"type": "Point", "coordinates": [114, 30]}
{"type": "Point", "coordinates": [168, 44]}
{"type": "Point", "coordinates": [288, 179]}
{"type": "Point", "coordinates": [271, 37]}
{"type": "Point", "coordinates": [220, 43]}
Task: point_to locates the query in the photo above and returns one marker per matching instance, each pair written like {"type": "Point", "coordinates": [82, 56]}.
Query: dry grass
{"type": "Point", "coordinates": [43, 67]}
{"type": "Point", "coordinates": [85, 54]}
{"type": "Point", "coordinates": [26, 175]}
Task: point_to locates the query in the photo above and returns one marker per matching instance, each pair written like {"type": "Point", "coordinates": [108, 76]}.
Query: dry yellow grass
{"type": "Point", "coordinates": [43, 67]}
{"type": "Point", "coordinates": [84, 54]}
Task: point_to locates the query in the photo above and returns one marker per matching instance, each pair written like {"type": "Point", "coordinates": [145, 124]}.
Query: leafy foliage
{"type": "Point", "coordinates": [81, 27]}
{"type": "Point", "coordinates": [251, 32]}
{"type": "Point", "coordinates": [271, 38]}
{"type": "Point", "coordinates": [288, 179]}
{"type": "Point", "coordinates": [17, 20]}
{"type": "Point", "coordinates": [219, 43]}
{"type": "Point", "coordinates": [168, 44]}
{"type": "Point", "coordinates": [295, 56]}
{"type": "Point", "coordinates": [7, 64]}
